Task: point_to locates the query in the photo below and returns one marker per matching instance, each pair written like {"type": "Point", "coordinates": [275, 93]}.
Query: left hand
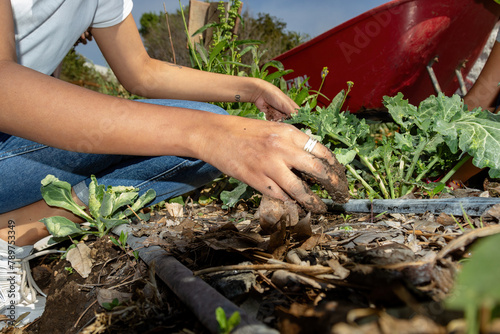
{"type": "Point", "coordinates": [274, 103]}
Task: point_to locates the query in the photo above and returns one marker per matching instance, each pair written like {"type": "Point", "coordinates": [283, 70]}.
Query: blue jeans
{"type": "Point", "coordinates": [23, 164]}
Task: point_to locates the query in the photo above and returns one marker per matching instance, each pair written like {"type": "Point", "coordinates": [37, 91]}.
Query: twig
{"type": "Point", "coordinates": [128, 206]}
{"type": "Point", "coordinates": [169, 33]}
{"type": "Point", "coordinates": [81, 315]}
{"type": "Point", "coordinates": [466, 239]}
{"type": "Point", "coordinates": [314, 270]}
{"type": "Point", "coordinates": [268, 281]}
{"type": "Point", "coordinates": [125, 283]}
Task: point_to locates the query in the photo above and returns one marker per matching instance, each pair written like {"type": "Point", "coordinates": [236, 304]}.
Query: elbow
{"type": "Point", "coordinates": [141, 80]}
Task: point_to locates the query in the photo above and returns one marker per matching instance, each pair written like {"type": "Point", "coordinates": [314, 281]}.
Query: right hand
{"type": "Point", "coordinates": [264, 154]}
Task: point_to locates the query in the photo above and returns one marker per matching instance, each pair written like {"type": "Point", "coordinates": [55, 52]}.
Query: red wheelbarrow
{"type": "Point", "coordinates": [416, 47]}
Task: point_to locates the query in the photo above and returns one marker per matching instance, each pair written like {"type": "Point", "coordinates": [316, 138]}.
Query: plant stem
{"type": "Point", "coordinates": [363, 182]}
{"type": "Point", "coordinates": [190, 43]}
{"type": "Point", "coordinates": [376, 174]}
{"type": "Point", "coordinates": [454, 169]}
{"type": "Point", "coordinates": [414, 161]}
{"type": "Point", "coordinates": [427, 169]}
{"type": "Point", "coordinates": [400, 177]}
{"type": "Point", "coordinates": [388, 172]}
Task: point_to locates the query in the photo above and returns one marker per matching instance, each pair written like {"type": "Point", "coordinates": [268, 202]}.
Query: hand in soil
{"type": "Point", "coordinates": [270, 157]}
{"type": "Point", "coordinates": [331, 177]}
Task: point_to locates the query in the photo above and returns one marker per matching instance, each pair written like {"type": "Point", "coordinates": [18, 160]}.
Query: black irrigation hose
{"type": "Point", "coordinates": [195, 293]}
{"type": "Point", "coordinates": [472, 206]}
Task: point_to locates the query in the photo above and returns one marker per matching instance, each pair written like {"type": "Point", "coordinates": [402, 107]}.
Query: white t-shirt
{"type": "Point", "coordinates": [47, 29]}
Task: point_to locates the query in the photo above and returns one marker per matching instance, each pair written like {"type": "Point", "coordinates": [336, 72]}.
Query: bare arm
{"type": "Point", "coordinates": [262, 154]}
{"type": "Point", "coordinates": [152, 78]}
{"type": "Point", "coordinates": [485, 90]}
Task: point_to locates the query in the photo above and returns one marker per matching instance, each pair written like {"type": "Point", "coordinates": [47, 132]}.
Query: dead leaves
{"type": "Point", "coordinates": [314, 265]}
{"type": "Point", "coordinates": [80, 259]}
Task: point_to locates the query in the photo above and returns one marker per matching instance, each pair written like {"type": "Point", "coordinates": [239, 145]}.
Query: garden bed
{"type": "Point", "coordinates": [339, 273]}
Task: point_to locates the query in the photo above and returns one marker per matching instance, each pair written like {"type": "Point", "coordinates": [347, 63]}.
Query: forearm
{"type": "Point", "coordinates": [165, 80]}
{"type": "Point", "coordinates": [47, 110]}
{"type": "Point", "coordinates": [485, 90]}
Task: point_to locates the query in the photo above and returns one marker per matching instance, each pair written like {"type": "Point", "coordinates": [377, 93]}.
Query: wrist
{"type": "Point", "coordinates": [252, 89]}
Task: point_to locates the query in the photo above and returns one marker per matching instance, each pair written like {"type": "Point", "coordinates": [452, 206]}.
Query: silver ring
{"type": "Point", "coordinates": [309, 146]}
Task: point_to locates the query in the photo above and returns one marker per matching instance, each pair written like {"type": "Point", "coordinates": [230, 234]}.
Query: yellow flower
{"type": "Point", "coordinates": [324, 73]}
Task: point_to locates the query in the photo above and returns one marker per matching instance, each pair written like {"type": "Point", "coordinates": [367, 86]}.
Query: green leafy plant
{"type": "Point", "coordinates": [224, 55]}
{"type": "Point", "coordinates": [240, 191]}
{"type": "Point", "coordinates": [429, 141]}
{"type": "Point", "coordinates": [476, 290]}
{"type": "Point", "coordinates": [121, 242]}
{"type": "Point", "coordinates": [226, 325]}
{"type": "Point", "coordinates": [70, 270]}
{"type": "Point", "coordinates": [108, 207]}
{"type": "Point", "coordinates": [110, 306]}
{"type": "Point", "coordinates": [345, 217]}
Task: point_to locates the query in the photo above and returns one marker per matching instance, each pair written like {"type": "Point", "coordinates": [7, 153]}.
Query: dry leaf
{"type": "Point", "coordinates": [303, 229]}
{"type": "Point", "coordinates": [175, 209]}
{"type": "Point", "coordinates": [338, 269]}
{"type": "Point", "coordinates": [278, 238]}
{"type": "Point", "coordinates": [108, 296]}
{"type": "Point", "coordinates": [80, 259]}
{"type": "Point", "coordinates": [494, 212]}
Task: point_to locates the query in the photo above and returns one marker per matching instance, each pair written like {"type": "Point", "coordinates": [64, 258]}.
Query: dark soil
{"type": "Point", "coordinates": [386, 273]}
{"type": "Point", "coordinates": [72, 305]}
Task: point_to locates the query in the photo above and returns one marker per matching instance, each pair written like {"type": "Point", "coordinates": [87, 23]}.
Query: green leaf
{"type": "Point", "coordinates": [144, 199]}
{"type": "Point", "coordinates": [400, 110]}
{"type": "Point", "coordinates": [217, 50]}
{"type": "Point", "coordinates": [480, 138]}
{"type": "Point", "coordinates": [336, 103]}
{"type": "Point", "coordinates": [476, 285]}
{"type": "Point", "coordinates": [123, 200]}
{"type": "Point", "coordinates": [111, 223]}
{"type": "Point", "coordinates": [247, 41]}
{"type": "Point", "coordinates": [220, 316]}
{"type": "Point", "coordinates": [61, 227]}
{"type": "Point", "coordinates": [122, 189]}
{"type": "Point", "coordinates": [202, 52]}
{"type": "Point", "coordinates": [276, 64]}
{"type": "Point", "coordinates": [58, 193]}
{"type": "Point", "coordinates": [107, 204]}
{"type": "Point", "coordinates": [178, 199]}
{"type": "Point", "coordinates": [96, 193]}
{"type": "Point", "coordinates": [230, 198]}
{"type": "Point", "coordinates": [112, 305]}
{"type": "Point", "coordinates": [205, 27]}
{"type": "Point", "coordinates": [123, 238]}
{"type": "Point", "coordinates": [344, 156]}
{"type": "Point", "coordinates": [276, 75]}
{"type": "Point", "coordinates": [114, 241]}
{"type": "Point", "coordinates": [234, 321]}
{"type": "Point", "coordinates": [476, 133]}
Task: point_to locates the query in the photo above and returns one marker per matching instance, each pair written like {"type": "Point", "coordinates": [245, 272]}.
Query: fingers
{"type": "Point", "coordinates": [318, 166]}
{"type": "Point", "coordinates": [275, 104]}
{"type": "Point", "coordinates": [271, 158]}
{"type": "Point", "coordinates": [324, 169]}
